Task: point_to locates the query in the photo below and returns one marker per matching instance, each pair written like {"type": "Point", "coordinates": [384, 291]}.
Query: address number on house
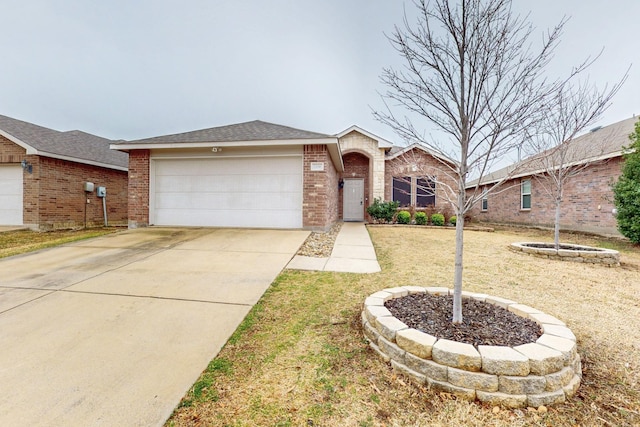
{"type": "Point", "coordinates": [317, 166]}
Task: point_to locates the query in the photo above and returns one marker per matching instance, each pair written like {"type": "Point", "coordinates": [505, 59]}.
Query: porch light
{"type": "Point", "coordinates": [27, 166]}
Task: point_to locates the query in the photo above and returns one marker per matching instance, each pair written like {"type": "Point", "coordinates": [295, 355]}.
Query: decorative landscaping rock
{"type": "Point", "coordinates": [457, 355]}
{"type": "Point", "coordinates": [501, 360]}
{"type": "Point", "coordinates": [373, 311]}
{"type": "Point", "coordinates": [388, 326]}
{"type": "Point", "coordinates": [569, 252]}
{"type": "Point", "coordinates": [474, 380]}
{"type": "Point", "coordinates": [546, 372]}
{"type": "Point", "coordinates": [542, 360]}
{"type": "Point", "coordinates": [415, 342]}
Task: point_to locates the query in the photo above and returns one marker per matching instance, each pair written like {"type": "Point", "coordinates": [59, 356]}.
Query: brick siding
{"type": "Point", "coordinates": [138, 188]}
{"type": "Point", "coordinates": [417, 163]}
{"type": "Point", "coordinates": [320, 190]}
{"type": "Point", "coordinates": [63, 201]}
{"type": "Point", "coordinates": [53, 193]}
{"type": "Point", "coordinates": [10, 152]}
{"type": "Point", "coordinates": [587, 204]}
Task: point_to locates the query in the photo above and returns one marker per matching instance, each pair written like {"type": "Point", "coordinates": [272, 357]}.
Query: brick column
{"type": "Point", "coordinates": [138, 188]}
{"type": "Point", "coordinates": [320, 190]}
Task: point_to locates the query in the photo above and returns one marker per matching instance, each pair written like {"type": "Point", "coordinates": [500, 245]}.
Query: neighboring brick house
{"type": "Point", "coordinates": [257, 174]}
{"type": "Point", "coordinates": [43, 174]}
{"type": "Point", "coordinates": [588, 198]}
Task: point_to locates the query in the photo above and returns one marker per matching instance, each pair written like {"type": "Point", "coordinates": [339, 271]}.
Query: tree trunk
{"type": "Point", "coordinates": [556, 230]}
{"type": "Point", "coordinates": [457, 275]}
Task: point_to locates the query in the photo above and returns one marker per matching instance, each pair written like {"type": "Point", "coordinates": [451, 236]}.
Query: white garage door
{"type": "Point", "coordinates": [228, 192]}
{"type": "Point", "coordinates": [10, 195]}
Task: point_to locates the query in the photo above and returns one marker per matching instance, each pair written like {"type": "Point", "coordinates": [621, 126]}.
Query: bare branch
{"type": "Point", "coordinates": [572, 108]}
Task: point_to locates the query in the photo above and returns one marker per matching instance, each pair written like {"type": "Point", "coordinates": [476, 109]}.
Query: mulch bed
{"type": "Point", "coordinates": [561, 246]}
{"type": "Point", "coordinates": [483, 323]}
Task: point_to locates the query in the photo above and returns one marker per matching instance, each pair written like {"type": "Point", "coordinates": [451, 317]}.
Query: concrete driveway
{"type": "Point", "coordinates": [113, 331]}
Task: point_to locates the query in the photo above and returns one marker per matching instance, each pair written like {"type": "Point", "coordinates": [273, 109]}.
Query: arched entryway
{"type": "Point", "coordinates": [355, 192]}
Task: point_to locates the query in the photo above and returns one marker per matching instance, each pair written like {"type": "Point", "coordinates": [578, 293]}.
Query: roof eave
{"type": "Point", "coordinates": [30, 149]}
{"type": "Point", "coordinates": [426, 150]}
{"type": "Point", "coordinates": [336, 156]}
{"type": "Point", "coordinates": [82, 161]}
{"type": "Point", "coordinates": [543, 170]}
{"type": "Point", "coordinates": [207, 144]}
{"type": "Point", "coordinates": [330, 142]}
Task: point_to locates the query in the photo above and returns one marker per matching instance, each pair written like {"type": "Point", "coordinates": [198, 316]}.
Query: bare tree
{"type": "Point", "coordinates": [472, 72]}
{"type": "Point", "coordinates": [559, 157]}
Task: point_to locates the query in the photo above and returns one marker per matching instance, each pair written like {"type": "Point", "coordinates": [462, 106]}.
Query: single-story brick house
{"type": "Point", "coordinates": [588, 198]}
{"type": "Point", "coordinates": [259, 174]}
{"type": "Point", "coordinates": [43, 174]}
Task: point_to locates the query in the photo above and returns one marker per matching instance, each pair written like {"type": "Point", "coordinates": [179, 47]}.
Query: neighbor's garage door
{"type": "Point", "coordinates": [10, 195]}
{"type": "Point", "coordinates": [228, 192]}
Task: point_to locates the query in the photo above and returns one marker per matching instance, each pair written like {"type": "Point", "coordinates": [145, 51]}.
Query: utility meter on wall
{"type": "Point", "coordinates": [101, 191]}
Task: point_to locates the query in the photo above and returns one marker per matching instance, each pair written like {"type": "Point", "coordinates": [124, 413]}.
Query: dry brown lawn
{"type": "Point", "coordinates": [22, 241]}
{"type": "Point", "coordinates": [299, 359]}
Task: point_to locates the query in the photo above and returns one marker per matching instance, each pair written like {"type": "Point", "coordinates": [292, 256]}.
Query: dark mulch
{"type": "Point", "coordinates": [561, 246]}
{"type": "Point", "coordinates": [483, 323]}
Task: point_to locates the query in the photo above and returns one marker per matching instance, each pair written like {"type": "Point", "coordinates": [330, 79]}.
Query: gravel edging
{"type": "Point", "coordinates": [546, 372]}
{"type": "Point", "coordinates": [320, 244]}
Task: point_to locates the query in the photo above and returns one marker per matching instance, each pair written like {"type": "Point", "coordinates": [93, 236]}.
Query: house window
{"type": "Point", "coordinates": [485, 201]}
{"type": "Point", "coordinates": [425, 192]}
{"type": "Point", "coordinates": [525, 194]}
{"type": "Point", "coordinates": [414, 191]}
{"type": "Point", "coordinates": [402, 190]}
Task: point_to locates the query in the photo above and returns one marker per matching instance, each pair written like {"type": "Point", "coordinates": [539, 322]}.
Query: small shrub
{"type": "Point", "coordinates": [421, 218]}
{"type": "Point", "coordinates": [403, 217]}
{"type": "Point", "coordinates": [382, 211]}
{"type": "Point", "coordinates": [430, 210]}
{"type": "Point", "coordinates": [437, 219]}
{"type": "Point", "coordinates": [452, 220]}
{"type": "Point", "coordinates": [626, 191]}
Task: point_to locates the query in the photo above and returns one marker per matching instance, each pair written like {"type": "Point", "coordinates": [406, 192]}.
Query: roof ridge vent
{"type": "Point", "coordinates": [597, 128]}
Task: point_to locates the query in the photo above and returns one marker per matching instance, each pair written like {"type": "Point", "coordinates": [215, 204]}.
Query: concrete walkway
{"type": "Point", "coordinates": [352, 253]}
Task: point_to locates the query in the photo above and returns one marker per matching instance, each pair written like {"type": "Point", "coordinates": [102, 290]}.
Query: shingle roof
{"type": "Point", "coordinates": [249, 131]}
{"type": "Point", "coordinates": [397, 151]}
{"type": "Point", "coordinates": [76, 145]}
{"type": "Point", "coordinates": [600, 143]}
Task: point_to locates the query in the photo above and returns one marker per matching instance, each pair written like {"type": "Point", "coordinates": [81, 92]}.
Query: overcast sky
{"type": "Point", "coordinates": [129, 69]}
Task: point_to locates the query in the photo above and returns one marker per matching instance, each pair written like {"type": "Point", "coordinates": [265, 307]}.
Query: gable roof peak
{"type": "Point", "coordinates": [382, 143]}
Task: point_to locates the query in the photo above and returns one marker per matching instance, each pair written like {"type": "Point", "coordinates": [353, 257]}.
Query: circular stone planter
{"type": "Point", "coordinates": [546, 372]}
{"type": "Point", "coordinates": [569, 252]}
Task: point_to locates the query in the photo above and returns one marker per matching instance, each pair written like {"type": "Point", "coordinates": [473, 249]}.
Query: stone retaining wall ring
{"type": "Point", "coordinates": [546, 372]}
{"type": "Point", "coordinates": [569, 252]}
